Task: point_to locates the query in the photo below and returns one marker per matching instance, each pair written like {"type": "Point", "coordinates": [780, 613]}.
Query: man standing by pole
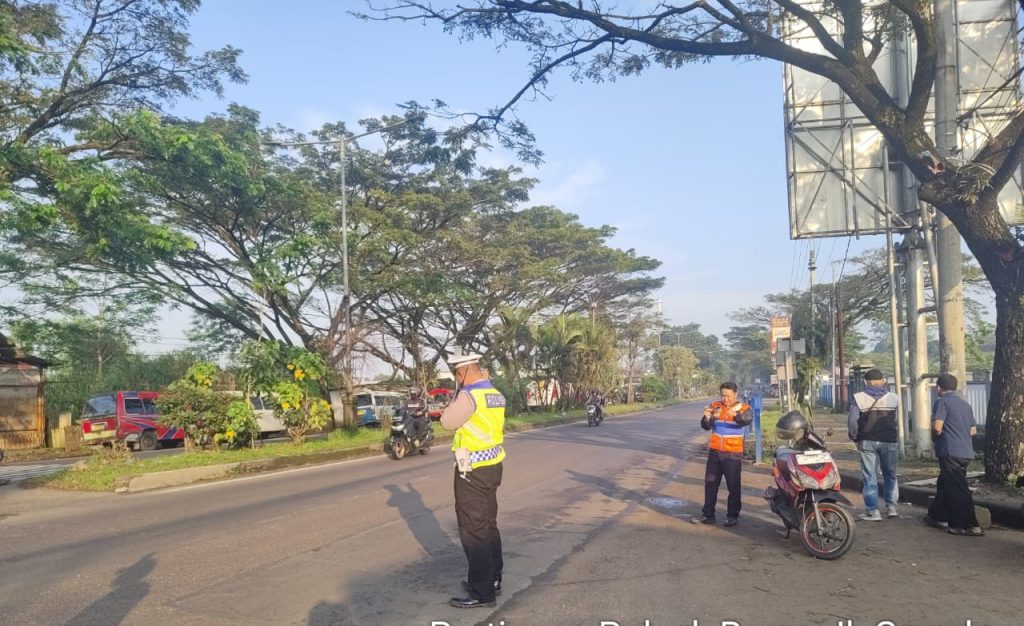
{"type": "Point", "coordinates": [872, 425]}
{"type": "Point", "coordinates": [478, 417]}
{"type": "Point", "coordinates": [726, 419]}
{"type": "Point", "coordinates": [953, 428]}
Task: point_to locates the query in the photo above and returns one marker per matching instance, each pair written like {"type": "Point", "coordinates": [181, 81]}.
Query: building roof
{"type": "Point", "coordinates": [10, 353]}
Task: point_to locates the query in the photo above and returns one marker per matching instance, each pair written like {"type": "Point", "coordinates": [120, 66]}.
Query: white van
{"type": "Point", "coordinates": [373, 407]}
{"type": "Point", "coordinates": [264, 410]}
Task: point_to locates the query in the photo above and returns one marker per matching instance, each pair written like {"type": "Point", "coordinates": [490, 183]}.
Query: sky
{"type": "Point", "coordinates": [688, 164]}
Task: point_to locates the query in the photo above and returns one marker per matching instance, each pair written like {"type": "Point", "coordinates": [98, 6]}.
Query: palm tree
{"type": "Point", "coordinates": [513, 344]}
{"type": "Point", "coordinates": [558, 341]}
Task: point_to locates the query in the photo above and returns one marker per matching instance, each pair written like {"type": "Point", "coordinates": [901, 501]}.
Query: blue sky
{"type": "Point", "coordinates": [688, 164]}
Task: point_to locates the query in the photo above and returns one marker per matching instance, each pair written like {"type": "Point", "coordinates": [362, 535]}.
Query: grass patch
{"type": "Point", "coordinates": [102, 474]}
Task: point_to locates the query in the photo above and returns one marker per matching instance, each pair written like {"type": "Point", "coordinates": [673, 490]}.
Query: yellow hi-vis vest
{"type": "Point", "coordinates": [482, 434]}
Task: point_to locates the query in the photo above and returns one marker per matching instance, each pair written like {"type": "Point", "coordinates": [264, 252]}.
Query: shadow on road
{"type": "Point", "coordinates": [420, 519]}
{"type": "Point", "coordinates": [130, 587]}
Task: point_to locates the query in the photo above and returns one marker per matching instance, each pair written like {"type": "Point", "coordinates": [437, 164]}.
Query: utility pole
{"type": "Point", "coordinates": [810, 292]}
{"type": "Point", "coordinates": [917, 338]}
{"type": "Point", "coordinates": [841, 342]}
{"type": "Point", "coordinates": [832, 342]}
{"type": "Point", "coordinates": [950, 288]}
{"type": "Point", "coordinates": [897, 354]}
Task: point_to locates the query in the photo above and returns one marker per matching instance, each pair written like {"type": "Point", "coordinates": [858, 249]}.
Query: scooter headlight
{"type": "Point", "coordinates": [807, 482]}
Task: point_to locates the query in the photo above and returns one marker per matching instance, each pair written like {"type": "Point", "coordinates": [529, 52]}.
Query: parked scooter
{"type": "Point", "coordinates": [806, 495]}
{"type": "Point", "coordinates": [403, 438]}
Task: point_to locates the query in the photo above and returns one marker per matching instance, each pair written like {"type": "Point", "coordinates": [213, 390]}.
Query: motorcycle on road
{"type": "Point", "coordinates": [806, 494]}
{"type": "Point", "coordinates": [403, 440]}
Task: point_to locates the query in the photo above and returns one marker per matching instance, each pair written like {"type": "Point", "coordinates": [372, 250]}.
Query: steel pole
{"type": "Point", "coordinates": [347, 407]}
{"type": "Point", "coordinates": [894, 320]}
{"type": "Point", "coordinates": [917, 334]}
{"type": "Point", "coordinates": [950, 290]}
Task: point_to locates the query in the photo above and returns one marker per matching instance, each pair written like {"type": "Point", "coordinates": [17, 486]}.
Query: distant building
{"type": "Point", "coordinates": [22, 419]}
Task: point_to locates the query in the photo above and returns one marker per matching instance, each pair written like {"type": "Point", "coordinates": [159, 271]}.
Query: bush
{"type": "Point", "coordinates": [290, 375]}
{"type": "Point", "coordinates": [208, 417]}
{"type": "Point", "coordinates": [655, 389]}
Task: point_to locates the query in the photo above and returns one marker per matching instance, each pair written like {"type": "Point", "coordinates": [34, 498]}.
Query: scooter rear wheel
{"type": "Point", "coordinates": [834, 539]}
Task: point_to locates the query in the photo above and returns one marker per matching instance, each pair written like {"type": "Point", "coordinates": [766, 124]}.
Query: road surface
{"type": "Point", "coordinates": [596, 524]}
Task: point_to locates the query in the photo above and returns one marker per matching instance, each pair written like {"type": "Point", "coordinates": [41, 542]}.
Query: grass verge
{"type": "Point", "coordinates": [100, 474]}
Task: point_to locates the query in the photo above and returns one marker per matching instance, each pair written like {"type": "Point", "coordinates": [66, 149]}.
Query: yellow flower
{"type": "Point", "coordinates": [291, 366]}
{"type": "Point", "coordinates": [285, 406]}
{"type": "Point", "coordinates": [231, 434]}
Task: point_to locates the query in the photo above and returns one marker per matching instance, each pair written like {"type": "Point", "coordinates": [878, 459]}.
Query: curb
{"type": "Point", "coordinates": [177, 478]}
{"type": "Point", "coordinates": [1002, 513]}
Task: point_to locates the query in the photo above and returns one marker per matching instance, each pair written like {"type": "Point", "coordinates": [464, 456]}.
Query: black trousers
{"type": "Point", "coordinates": [730, 465]}
{"type": "Point", "coordinates": [953, 501]}
{"type": "Point", "coordinates": [476, 508]}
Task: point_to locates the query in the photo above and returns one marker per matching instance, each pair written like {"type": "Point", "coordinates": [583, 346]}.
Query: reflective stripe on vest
{"type": "Point", "coordinates": [482, 434]}
{"type": "Point", "coordinates": [888, 402]}
{"type": "Point", "coordinates": [726, 434]}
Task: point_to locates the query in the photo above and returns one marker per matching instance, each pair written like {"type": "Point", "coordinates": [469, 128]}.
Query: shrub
{"type": "Point", "coordinates": [208, 417]}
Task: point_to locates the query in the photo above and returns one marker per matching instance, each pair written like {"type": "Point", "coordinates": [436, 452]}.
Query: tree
{"type": "Point", "coordinates": [677, 366]}
{"type": "Point", "coordinates": [635, 341]}
{"type": "Point", "coordinates": [707, 347]}
{"type": "Point", "coordinates": [70, 68]}
{"type": "Point", "coordinates": [514, 341]}
{"type": "Point", "coordinates": [598, 44]}
{"type": "Point", "coordinates": [749, 352]}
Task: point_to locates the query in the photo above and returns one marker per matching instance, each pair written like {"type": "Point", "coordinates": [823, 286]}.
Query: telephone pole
{"type": "Point", "coordinates": [811, 266]}
{"type": "Point", "coordinates": [950, 289]}
{"type": "Point", "coordinates": [841, 342]}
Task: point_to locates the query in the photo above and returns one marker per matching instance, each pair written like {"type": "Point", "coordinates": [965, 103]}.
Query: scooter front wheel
{"type": "Point", "coordinates": [834, 538]}
{"type": "Point", "coordinates": [398, 448]}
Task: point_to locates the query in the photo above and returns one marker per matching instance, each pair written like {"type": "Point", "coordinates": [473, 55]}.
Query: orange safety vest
{"type": "Point", "coordinates": [726, 434]}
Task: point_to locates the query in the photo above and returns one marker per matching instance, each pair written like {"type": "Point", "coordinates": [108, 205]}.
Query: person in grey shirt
{"type": "Point", "coordinates": [953, 427]}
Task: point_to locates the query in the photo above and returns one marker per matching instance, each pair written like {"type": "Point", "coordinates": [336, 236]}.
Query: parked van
{"type": "Point", "coordinates": [128, 416]}
{"type": "Point", "coordinates": [376, 407]}
{"type": "Point", "coordinates": [269, 423]}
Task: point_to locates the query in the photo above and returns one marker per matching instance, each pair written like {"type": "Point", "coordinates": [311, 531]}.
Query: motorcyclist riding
{"type": "Point", "coordinates": [416, 407]}
{"type": "Point", "coordinates": [598, 401]}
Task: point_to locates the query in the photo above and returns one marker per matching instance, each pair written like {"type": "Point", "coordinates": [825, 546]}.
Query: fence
{"type": "Point", "coordinates": [976, 395]}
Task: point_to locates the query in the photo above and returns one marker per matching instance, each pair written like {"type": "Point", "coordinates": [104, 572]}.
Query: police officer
{"type": "Point", "coordinates": [725, 419]}
{"type": "Point", "coordinates": [478, 417]}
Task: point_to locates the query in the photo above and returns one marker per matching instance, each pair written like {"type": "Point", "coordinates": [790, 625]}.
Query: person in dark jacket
{"type": "Point", "coordinates": [953, 428]}
{"type": "Point", "coordinates": [872, 425]}
{"type": "Point", "coordinates": [726, 419]}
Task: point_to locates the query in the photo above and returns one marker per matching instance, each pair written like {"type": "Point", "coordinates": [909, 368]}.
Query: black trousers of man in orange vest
{"type": "Point", "coordinates": [730, 466]}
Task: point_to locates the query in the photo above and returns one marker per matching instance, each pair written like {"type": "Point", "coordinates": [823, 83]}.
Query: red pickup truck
{"type": "Point", "coordinates": [128, 416]}
{"type": "Point", "coordinates": [437, 399]}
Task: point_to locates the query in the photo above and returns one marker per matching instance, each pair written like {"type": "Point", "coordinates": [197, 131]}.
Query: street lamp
{"type": "Point", "coordinates": [342, 142]}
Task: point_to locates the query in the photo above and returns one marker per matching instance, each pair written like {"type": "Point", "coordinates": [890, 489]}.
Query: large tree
{"type": "Point", "coordinates": [597, 40]}
{"type": "Point", "coordinates": [68, 68]}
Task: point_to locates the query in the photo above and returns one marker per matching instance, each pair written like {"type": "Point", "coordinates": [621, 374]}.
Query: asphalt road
{"type": "Point", "coordinates": [596, 524]}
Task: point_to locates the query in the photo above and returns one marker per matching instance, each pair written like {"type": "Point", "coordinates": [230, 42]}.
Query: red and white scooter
{"type": "Point", "coordinates": [806, 495]}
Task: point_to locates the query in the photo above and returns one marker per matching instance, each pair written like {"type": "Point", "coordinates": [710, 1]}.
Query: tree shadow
{"type": "Point", "coordinates": [129, 588]}
{"type": "Point", "coordinates": [422, 522]}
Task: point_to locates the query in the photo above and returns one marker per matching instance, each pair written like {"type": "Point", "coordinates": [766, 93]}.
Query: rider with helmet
{"type": "Point", "coordinates": [416, 407]}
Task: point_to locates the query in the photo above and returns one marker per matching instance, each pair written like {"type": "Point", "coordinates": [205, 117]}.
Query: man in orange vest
{"type": "Point", "coordinates": [725, 419]}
